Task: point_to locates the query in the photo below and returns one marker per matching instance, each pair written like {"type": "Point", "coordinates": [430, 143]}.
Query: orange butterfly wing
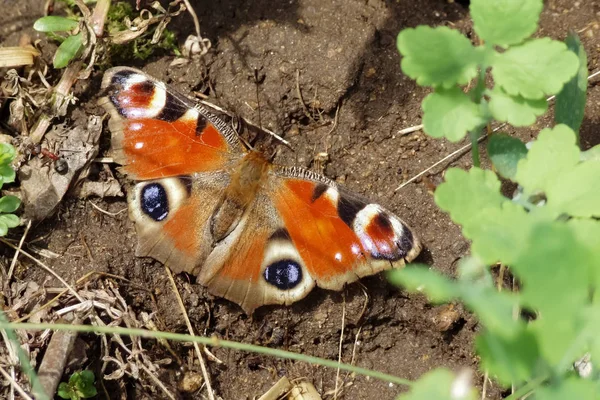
{"type": "Point", "coordinates": [159, 133]}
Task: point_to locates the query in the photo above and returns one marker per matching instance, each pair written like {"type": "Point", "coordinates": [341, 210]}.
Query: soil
{"type": "Point", "coordinates": [340, 57]}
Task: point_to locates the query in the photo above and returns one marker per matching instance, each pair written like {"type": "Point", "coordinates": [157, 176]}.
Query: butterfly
{"type": "Point", "coordinates": [253, 232]}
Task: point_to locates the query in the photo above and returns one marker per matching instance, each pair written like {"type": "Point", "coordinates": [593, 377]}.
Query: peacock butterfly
{"type": "Point", "coordinates": [251, 231]}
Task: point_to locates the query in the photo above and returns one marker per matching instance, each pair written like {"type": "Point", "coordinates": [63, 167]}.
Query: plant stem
{"type": "Point", "coordinates": [212, 341]}
{"type": "Point", "coordinates": [474, 135]}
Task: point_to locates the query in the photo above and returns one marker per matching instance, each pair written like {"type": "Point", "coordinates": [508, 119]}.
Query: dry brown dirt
{"type": "Point", "coordinates": [340, 55]}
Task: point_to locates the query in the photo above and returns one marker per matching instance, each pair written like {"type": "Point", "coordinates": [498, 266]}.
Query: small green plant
{"type": "Point", "coordinates": [8, 204]}
{"type": "Point", "coordinates": [525, 71]}
{"type": "Point", "coordinates": [71, 45]}
{"type": "Point", "coordinates": [547, 233]}
{"type": "Point", "coordinates": [80, 386]}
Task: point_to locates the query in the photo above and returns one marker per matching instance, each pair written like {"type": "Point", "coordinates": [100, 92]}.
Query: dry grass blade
{"type": "Point", "coordinates": [14, 260]}
{"type": "Point", "coordinates": [211, 394]}
{"type": "Point", "coordinates": [14, 384]}
{"type": "Point", "coordinates": [11, 57]}
{"type": "Point", "coordinates": [280, 388]}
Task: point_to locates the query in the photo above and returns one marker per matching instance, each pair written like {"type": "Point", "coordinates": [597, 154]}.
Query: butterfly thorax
{"type": "Point", "coordinates": [246, 179]}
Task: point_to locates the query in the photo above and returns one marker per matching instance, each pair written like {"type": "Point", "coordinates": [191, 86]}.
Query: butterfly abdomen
{"type": "Point", "coordinates": [246, 180]}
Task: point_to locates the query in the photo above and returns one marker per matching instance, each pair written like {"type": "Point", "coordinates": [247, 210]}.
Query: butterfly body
{"type": "Point", "coordinates": [251, 231]}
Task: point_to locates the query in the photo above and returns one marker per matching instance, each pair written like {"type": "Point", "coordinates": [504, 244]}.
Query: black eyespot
{"type": "Point", "coordinates": [154, 201]}
{"type": "Point", "coordinates": [284, 274]}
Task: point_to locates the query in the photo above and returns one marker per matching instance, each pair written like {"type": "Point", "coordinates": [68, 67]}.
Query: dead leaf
{"type": "Point", "coordinates": [42, 186]}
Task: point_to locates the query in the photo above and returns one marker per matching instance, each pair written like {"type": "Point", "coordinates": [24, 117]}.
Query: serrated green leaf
{"type": "Point", "coordinates": [67, 50]}
{"type": "Point", "coordinates": [439, 57]}
{"type": "Point", "coordinates": [450, 113]}
{"type": "Point", "coordinates": [558, 263]}
{"type": "Point", "coordinates": [499, 233]}
{"type": "Point", "coordinates": [505, 152]}
{"type": "Point", "coordinates": [420, 278]}
{"type": "Point", "coordinates": [9, 204]}
{"type": "Point", "coordinates": [465, 194]}
{"type": "Point", "coordinates": [553, 152]}
{"type": "Point", "coordinates": [7, 174]}
{"type": "Point", "coordinates": [535, 69]}
{"type": "Point", "coordinates": [10, 220]}
{"type": "Point", "coordinates": [576, 191]}
{"type": "Point", "coordinates": [505, 22]}
{"type": "Point", "coordinates": [508, 359]}
{"type": "Point", "coordinates": [570, 388]}
{"type": "Point", "coordinates": [515, 110]}
{"type": "Point", "coordinates": [570, 102]}
{"type": "Point", "coordinates": [439, 384]}
{"type": "Point", "coordinates": [52, 23]}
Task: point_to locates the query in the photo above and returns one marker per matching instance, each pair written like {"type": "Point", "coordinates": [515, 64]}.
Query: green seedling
{"type": "Point", "coordinates": [548, 233]}
{"type": "Point", "coordinates": [80, 386]}
{"type": "Point", "coordinates": [72, 45]}
{"type": "Point", "coordinates": [8, 204]}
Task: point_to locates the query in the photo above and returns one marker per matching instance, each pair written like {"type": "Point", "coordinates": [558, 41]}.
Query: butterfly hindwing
{"type": "Point", "coordinates": [172, 217]}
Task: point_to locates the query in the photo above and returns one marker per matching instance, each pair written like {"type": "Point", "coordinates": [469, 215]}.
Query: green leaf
{"type": "Point", "coordinates": [515, 110]}
{"type": "Point", "coordinates": [10, 220]}
{"type": "Point", "coordinates": [9, 204]}
{"type": "Point", "coordinates": [591, 154]}
{"type": "Point", "coordinates": [534, 69]}
{"type": "Point", "coordinates": [570, 388]}
{"type": "Point", "coordinates": [499, 233]}
{"type": "Point", "coordinates": [576, 192]}
{"type": "Point", "coordinates": [509, 359]}
{"type": "Point", "coordinates": [494, 309]}
{"type": "Point", "coordinates": [554, 271]}
{"type": "Point", "coordinates": [439, 384]}
{"type": "Point", "coordinates": [465, 194]}
{"type": "Point", "coordinates": [52, 23]}
{"type": "Point", "coordinates": [67, 50]}
{"type": "Point", "coordinates": [587, 233]}
{"type": "Point", "coordinates": [505, 22]}
{"type": "Point", "coordinates": [450, 113]}
{"type": "Point", "coordinates": [553, 152]}
{"type": "Point", "coordinates": [3, 228]}
{"type": "Point", "coordinates": [437, 56]}
{"type": "Point", "coordinates": [65, 391]}
{"type": "Point", "coordinates": [570, 102]}
{"type": "Point", "coordinates": [419, 278]}
{"type": "Point", "coordinates": [557, 339]}
{"type": "Point", "coordinates": [505, 152]}
{"type": "Point", "coordinates": [7, 174]}
{"type": "Point", "coordinates": [85, 384]}
{"type": "Point", "coordinates": [7, 153]}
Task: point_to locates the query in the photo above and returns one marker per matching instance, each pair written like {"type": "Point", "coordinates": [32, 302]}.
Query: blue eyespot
{"type": "Point", "coordinates": [284, 274]}
{"type": "Point", "coordinates": [154, 201]}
